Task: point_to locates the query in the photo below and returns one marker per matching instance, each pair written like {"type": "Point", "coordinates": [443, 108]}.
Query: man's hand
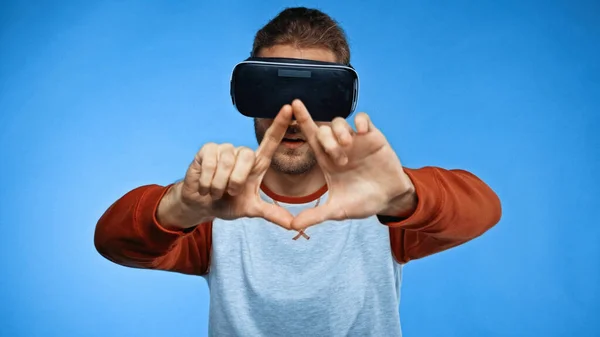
{"type": "Point", "coordinates": [224, 182]}
{"type": "Point", "coordinates": [364, 174]}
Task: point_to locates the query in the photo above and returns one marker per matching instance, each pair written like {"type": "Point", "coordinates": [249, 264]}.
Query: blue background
{"type": "Point", "coordinates": [99, 97]}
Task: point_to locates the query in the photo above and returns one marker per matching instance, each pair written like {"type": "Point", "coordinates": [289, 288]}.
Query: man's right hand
{"type": "Point", "coordinates": [224, 182]}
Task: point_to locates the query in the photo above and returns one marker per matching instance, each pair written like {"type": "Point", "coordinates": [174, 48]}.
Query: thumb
{"type": "Point", "coordinates": [313, 216]}
{"type": "Point", "coordinates": [276, 214]}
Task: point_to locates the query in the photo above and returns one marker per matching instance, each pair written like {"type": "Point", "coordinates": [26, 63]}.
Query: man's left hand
{"type": "Point", "coordinates": [363, 173]}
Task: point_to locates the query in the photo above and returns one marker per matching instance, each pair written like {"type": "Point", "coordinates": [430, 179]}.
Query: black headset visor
{"type": "Point", "coordinates": [261, 86]}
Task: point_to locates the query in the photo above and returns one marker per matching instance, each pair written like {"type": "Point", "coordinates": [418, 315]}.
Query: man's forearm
{"type": "Point", "coordinates": [452, 207]}
{"type": "Point", "coordinates": [129, 234]}
{"type": "Point", "coordinates": [173, 213]}
{"type": "Point", "coordinates": [402, 206]}
{"type": "Point", "coordinates": [451, 202]}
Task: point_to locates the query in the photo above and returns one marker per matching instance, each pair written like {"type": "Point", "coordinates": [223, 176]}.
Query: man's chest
{"type": "Point", "coordinates": [272, 261]}
{"type": "Point", "coordinates": [343, 280]}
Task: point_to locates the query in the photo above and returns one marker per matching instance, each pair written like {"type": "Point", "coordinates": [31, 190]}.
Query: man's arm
{"type": "Point", "coordinates": [129, 234]}
{"type": "Point", "coordinates": [170, 228]}
{"type": "Point", "coordinates": [451, 207]}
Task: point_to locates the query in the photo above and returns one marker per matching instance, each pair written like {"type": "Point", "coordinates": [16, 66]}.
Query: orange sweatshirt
{"type": "Point", "coordinates": [454, 206]}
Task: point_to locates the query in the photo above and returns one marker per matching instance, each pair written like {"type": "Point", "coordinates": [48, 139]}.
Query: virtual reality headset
{"type": "Point", "coordinates": [260, 87]}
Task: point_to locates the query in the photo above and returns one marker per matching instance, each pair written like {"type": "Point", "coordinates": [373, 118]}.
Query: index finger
{"type": "Point", "coordinates": [307, 124]}
{"type": "Point", "coordinates": [275, 132]}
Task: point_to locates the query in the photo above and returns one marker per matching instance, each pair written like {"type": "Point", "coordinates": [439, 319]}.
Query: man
{"type": "Point", "coordinates": [349, 215]}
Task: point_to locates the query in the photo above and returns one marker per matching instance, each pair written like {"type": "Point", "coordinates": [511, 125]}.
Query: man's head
{"type": "Point", "coordinates": [305, 34]}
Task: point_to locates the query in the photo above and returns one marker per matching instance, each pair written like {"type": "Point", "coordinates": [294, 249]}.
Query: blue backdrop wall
{"type": "Point", "coordinates": [99, 97]}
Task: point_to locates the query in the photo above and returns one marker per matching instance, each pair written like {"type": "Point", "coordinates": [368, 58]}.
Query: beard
{"type": "Point", "coordinates": [286, 160]}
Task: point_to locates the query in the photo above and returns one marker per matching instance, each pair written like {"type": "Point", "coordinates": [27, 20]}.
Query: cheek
{"type": "Point", "coordinates": [260, 127]}
{"type": "Point", "coordinates": [264, 124]}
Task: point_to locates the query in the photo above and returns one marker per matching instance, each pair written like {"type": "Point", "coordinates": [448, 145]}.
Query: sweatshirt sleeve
{"type": "Point", "coordinates": [454, 206]}
{"type": "Point", "coordinates": [129, 234]}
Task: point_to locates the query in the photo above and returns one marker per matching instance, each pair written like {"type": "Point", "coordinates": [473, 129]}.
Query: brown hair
{"type": "Point", "coordinates": [303, 27]}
